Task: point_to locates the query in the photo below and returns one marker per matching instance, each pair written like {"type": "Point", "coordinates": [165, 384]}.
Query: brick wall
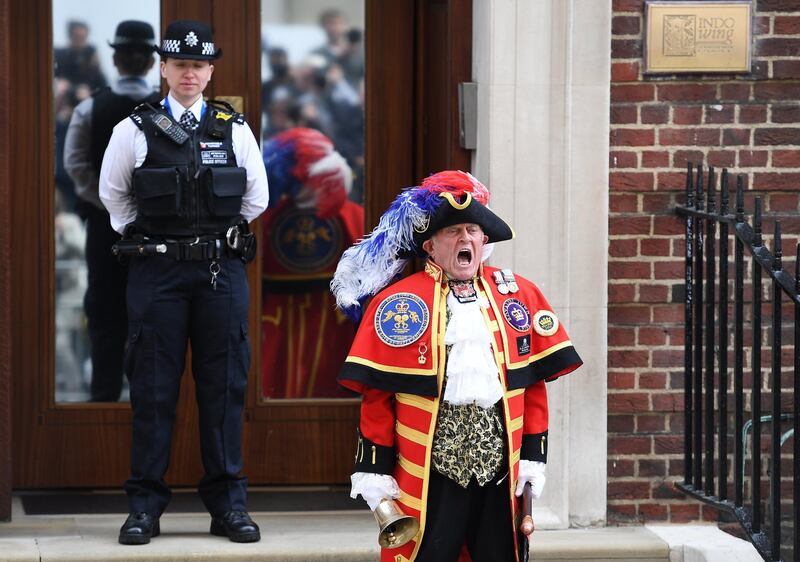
{"type": "Point", "coordinates": [750, 124]}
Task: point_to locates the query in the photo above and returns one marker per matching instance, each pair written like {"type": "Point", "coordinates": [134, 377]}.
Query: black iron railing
{"type": "Point", "coordinates": [706, 369]}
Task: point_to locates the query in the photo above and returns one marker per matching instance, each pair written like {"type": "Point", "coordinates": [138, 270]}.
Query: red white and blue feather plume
{"type": "Point", "coordinates": [370, 265]}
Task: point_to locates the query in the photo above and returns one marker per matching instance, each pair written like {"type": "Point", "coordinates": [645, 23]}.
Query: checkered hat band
{"type": "Point", "coordinates": [208, 48]}
{"type": "Point", "coordinates": [171, 46]}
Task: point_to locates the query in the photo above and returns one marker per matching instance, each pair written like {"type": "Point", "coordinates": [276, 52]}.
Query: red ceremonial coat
{"type": "Point", "coordinates": [397, 363]}
{"type": "Point", "coordinates": [304, 337]}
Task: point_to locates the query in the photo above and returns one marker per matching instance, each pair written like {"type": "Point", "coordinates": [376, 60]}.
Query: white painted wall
{"type": "Point", "coordinates": [543, 74]}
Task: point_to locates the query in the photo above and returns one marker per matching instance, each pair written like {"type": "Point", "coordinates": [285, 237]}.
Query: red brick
{"type": "Point", "coordinates": [785, 113]}
{"type": "Point", "coordinates": [684, 513]}
{"type": "Point", "coordinates": [687, 92]}
{"type": "Point", "coordinates": [622, 159]}
{"type": "Point", "coordinates": [621, 293]}
{"type": "Point", "coordinates": [651, 336]}
{"type": "Point", "coordinates": [621, 424]}
{"type": "Point", "coordinates": [622, 381]}
{"type": "Point", "coordinates": [653, 293]}
{"type": "Point", "coordinates": [669, 225]}
{"type": "Point", "coordinates": [786, 158]}
{"type": "Point", "coordinates": [620, 337]}
{"type": "Point", "coordinates": [688, 137]}
{"type": "Point", "coordinates": [687, 115]}
{"type": "Point", "coordinates": [628, 445]}
{"type": "Point", "coordinates": [620, 490]}
{"type": "Point", "coordinates": [682, 157]}
{"type": "Point", "coordinates": [654, 247]}
{"type": "Point", "coordinates": [783, 202]}
{"type": "Point", "coordinates": [752, 114]}
{"type": "Point", "coordinates": [671, 181]}
{"type": "Point", "coordinates": [654, 512]}
{"type": "Point", "coordinates": [654, 381]}
{"type": "Point", "coordinates": [678, 247]}
{"type": "Point", "coordinates": [773, 91]}
{"type": "Point", "coordinates": [635, 314]}
{"type": "Point", "coordinates": [620, 468]}
{"type": "Point", "coordinates": [632, 137]}
{"type": "Point", "coordinates": [787, 25]}
{"type": "Point", "coordinates": [761, 25]}
{"type": "Point", "coordinates": [753, 158]}
{"type": "Point", "coordinates": [731, 137]}
{"type": "Point", "coordinates": [628, 402]}
{"type": "Point", "coordinates": [655, 114]}
{"type": "Point", "coordinates": [668, 445]}
{"type": "Point", "coordinates": [627, 5]}
{"type": "Point", "coordinates": [709, 513]}
{"type": "Point", "coordinates": [666, 490]}
{"type": "Point", "coordinates": [625, 71]}
{"type": "Point", "coordinates": [631, 93]}
{"type": "Point", "coordinates": [629, 225]}
{"type": "Point", "coordinates": [718, 113]}
{"type": "Point", "coordinates": [622, 248]}
{"type": "Point", "coordinates": [625, 25]}
{"type": "Point", "coordinates": [629, 270]}
{"type": "Point", "coordinates": [668, 313]}
{"type": "Point", "coordinates": [667, 357]}
{"type": "Point", "coordinates": [668, 402]}
{"type": "Point", "coordinates": [774, 136]}
{"type": "Point", "coordinates": [669, 270]}
{"type": "Point", "coordinates": [785, 69]}
{"type": "Point", "coordinates": [623, 203]}
{"type": "Point", "coordinates": [722, 158]}
{"type": "Point", "coordinates": [651, 159]}
{"type": "Point", "coordinates": [652, 467]}
{"type": "Point", "coordinates": [651, 423]}
{"type": "Point", "coordinates": [767, 180]}
{"type": "Point", "coordinates": [656, 202]}
{"type": "Point", "coordinates": [624, 114]}
{"type": "Point", "coordinates": [777, 47]}
{"type": "Point", "coordinates": [626, 48]}
{"type": "Point", "coordinates": [734, 92]}
{"type": "Point", "coordinates": [630, 181]}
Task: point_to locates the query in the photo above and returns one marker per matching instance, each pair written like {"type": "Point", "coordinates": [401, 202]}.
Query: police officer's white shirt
{"type": "Point", "coordinates": [127, 150]}
{"type": "Point", "coordinates": [78, 143]}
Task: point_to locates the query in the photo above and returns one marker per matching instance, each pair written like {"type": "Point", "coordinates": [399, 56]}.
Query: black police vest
{"type": "Point", "coordinates": [108, 109]}
{"type": "Point", "coordinates": [189, 189]}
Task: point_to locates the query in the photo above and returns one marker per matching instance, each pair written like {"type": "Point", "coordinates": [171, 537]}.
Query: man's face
{"type": "Point", "coordinates": [457, 249]}
{"type": "Point", "coordinates": [186, 78]}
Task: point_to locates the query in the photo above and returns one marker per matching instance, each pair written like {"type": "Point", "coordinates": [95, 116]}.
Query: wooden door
{"type": "Point", "coordinates": [417, 52]}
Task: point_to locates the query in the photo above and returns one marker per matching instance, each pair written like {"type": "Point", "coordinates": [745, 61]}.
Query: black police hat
{"type": "Point", "coordinates": [189, 39]}
{"type": "Point", "coordinates": [134, 34]}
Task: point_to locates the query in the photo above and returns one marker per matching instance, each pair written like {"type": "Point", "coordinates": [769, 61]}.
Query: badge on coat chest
{"type": "Point", "coordinates": [213, 153]}
{"type": "Point", "coordinates": [401, 319]}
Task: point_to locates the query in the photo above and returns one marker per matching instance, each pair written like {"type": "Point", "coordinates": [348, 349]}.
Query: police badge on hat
{"type": "Point", "coordinates": [189, 39]}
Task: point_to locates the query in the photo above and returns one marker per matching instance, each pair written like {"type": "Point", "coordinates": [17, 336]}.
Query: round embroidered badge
{"type": "Point", "coordinates": [545, 323]}
{"type": "Point", "coordinates": [401, 319]}
{"type": "Point", "coordinates": [517, 315]}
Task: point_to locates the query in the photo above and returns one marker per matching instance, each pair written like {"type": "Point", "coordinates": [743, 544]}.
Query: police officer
{"type": "Point", "coordinates": [182, 180]}
{"type": "Point", "coordinates": [87, 138]}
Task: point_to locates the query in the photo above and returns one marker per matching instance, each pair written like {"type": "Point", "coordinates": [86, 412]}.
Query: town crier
{"type": "Point", "coordinates": [451, 365]}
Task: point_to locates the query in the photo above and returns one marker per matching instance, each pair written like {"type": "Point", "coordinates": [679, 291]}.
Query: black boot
{"type": "Point", "coordinates": [237, 526]}
{"type": "Point", "coordinates": [138, 528]}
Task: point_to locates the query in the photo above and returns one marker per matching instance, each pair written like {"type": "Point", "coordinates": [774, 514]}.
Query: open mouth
{"type": "Point", "coordinates": [464, 257]}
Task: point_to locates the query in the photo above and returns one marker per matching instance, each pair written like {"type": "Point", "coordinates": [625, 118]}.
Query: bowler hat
{"type": "Point", "coordinates": [189, 39]}
{"type": "Point", "coordinates": [134, 34]}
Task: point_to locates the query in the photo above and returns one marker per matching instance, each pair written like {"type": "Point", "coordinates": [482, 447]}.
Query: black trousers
{"type": "Point", "coordinates": [169, 304]}
{"type": "Point", "coordinates": [104, 304]}
{"type": "Point", "coordinates": [478, 516]}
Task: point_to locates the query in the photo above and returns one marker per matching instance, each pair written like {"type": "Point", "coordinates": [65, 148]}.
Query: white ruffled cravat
{"type": "Point", "coordinates": [472, 375]}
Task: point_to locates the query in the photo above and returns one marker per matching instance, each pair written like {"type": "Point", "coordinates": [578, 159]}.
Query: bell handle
{"type": "Point", "coordinates": [527, 527]}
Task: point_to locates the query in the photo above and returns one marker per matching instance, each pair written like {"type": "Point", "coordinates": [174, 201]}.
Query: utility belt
{"type": "Point", "coordinates": [238, 241]}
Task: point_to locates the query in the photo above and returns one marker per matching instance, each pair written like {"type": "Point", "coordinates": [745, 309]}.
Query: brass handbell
{"type": "Point", "coordinates": [396, 528]}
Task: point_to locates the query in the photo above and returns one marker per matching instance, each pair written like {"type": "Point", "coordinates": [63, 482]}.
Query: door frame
{"type": "Point", "coordinates": [417, 135]}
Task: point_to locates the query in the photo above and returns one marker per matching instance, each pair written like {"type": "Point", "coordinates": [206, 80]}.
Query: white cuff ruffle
{"type": "Point", "coordinates": [373, 487]}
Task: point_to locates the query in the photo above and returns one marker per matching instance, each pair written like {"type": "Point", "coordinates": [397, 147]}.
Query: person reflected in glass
{"type": "Point", "coordinates": [308, 225]}
{"type": "Point", "coordinates": [78, 62]}
{"type": "Point", "coordinates": [87, 138]}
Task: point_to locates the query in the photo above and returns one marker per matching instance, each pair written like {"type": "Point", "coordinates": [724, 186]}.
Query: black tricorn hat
{"type": "Point", "coordinates": [134, 34]}
{"type": "Point", "coordinates": [460, 209]}
{"type": "Point", "coordinates": [189, 39]}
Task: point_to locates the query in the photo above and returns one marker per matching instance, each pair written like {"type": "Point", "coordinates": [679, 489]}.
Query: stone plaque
{"type": "Point", "coordinates": [695, 36]}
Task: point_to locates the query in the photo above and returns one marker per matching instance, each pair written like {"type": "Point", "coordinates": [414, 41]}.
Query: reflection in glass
{"type": "Point", "coordinates": [313, 134]}
{"type": "Point", "coordinates": [85, 67]}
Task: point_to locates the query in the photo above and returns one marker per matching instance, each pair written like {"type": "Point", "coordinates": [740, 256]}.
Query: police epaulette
{"type": "Point", "coordinates": [137, 120]}
{"type": "Point", "coordinates": [136, 114]}
{"type": "Point", "coordinates": [226, 111]}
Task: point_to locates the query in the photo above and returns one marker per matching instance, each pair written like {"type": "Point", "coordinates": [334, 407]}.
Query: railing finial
{"type": "Point", "coordinates": [699, 198]}
{"type": "Point", "coordinates": [711, 207]}
{"type": "Point", "coordinates": [723, 208]}
{"type": "Point", "coordinates": [689, 186]}
{"type": "Point", "coordinates": [757, 240]}
{"type": "Point", "coordinates": [777, 263]}
{"type": "Point", "coordinates": [740, 198]}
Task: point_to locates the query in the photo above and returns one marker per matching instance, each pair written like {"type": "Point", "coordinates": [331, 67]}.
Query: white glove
{"type": "Point", "coordinates": [373, 487]}
{"type": "Point", "coordinates": [533, 472]}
